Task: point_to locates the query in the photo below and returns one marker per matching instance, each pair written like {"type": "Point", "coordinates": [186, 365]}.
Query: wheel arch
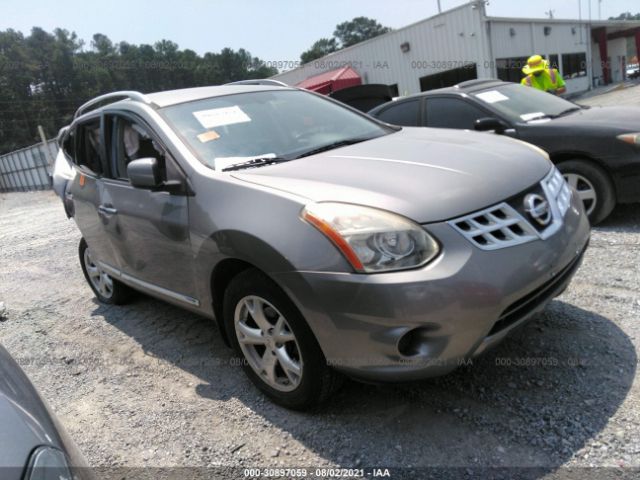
{"type": "Point", "coordinates": [559, 157]}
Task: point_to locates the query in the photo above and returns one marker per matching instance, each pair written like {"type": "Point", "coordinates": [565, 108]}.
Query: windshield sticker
{"type": "Point", "coordinates": [208, 136]}
{"type": "Point", "coordinates": [492, 96]}
{"type": "Point", "coordinates": [530, 116]}
{"type": "Point", "coordinates": [217, 117]}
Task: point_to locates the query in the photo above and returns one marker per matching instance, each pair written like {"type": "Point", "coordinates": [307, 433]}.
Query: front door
{"type": "Point", "coordinates": [149, 230]}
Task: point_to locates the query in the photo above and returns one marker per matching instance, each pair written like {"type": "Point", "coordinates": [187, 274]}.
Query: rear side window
{"type": "Point", "coordinates": [88, 146]}
{"type": "Point", "coordinates": [452, 113]}
{"type": "Point", "coordinates": [404, 113]}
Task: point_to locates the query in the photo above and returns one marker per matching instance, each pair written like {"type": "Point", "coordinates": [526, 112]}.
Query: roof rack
{"type": "Point", "coordinates": [259, 81]}
{"type": "Point", "coordinates": [130, 94]}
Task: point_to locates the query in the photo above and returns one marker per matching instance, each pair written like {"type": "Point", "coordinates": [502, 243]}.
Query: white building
{"type": "Point", "coordinates": [463, 43]}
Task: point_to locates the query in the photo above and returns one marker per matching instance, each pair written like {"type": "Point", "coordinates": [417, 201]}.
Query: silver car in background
{"type": "Point", "coordinates": [321, 240]}
{"type": "Point", "coordinates": [34, 446]}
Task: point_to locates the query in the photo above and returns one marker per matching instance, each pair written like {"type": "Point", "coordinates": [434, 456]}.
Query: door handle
{"type": "Point", "coordinates": [107, 210]}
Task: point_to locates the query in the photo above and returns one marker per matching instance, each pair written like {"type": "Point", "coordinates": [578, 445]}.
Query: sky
{"type": "Point", "coordinates": [273, 30]}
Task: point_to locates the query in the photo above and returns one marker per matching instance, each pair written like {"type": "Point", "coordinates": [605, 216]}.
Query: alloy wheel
{"type": "Point", "coordinates": [100, 280]}
{"type": "Point", "coordinates": [268, 343]}
{"type": "Point", "coordinates": [585, 189]}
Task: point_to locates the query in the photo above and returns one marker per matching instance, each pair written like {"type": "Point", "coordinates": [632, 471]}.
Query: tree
{"type": "Point", "coordinates": [320, 48]}
{"type": "Point", "coordinates": [626, 16]}
{"type": "Point", "coordinates": [45, 76]}
{"type": "Point", "coordinates": [346, 34]}
{"type": "Point", "coordinates": [358, 30]}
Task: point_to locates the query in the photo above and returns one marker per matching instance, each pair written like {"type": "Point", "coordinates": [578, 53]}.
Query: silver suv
{"type": "Point", "coordinates": [322, 241]}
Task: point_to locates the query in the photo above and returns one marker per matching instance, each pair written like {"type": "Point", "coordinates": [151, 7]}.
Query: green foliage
{"type": "Point", "coordinates": [320, 48]}
{"type": "Point", "coordinates": [626, 16]}
{"type": "Point", "coordinates": [45, 77]}
{"type": "Point", "coordinates": [358, 30]}
{"type": "Point", "coordinates": [346, 34]}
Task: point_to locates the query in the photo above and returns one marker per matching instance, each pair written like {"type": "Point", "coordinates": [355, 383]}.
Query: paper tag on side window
{"type": "Point", "coordinates": [217, 117]}
{"type": "Point", "coordinates": [492, 96]}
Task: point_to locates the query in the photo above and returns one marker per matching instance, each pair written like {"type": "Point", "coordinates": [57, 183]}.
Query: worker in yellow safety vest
{"type": "Point", "coordinates": [541, 76]}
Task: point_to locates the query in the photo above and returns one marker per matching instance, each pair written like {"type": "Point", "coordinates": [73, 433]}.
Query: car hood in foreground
{"type": "Point", "coordinates": [425, 174]}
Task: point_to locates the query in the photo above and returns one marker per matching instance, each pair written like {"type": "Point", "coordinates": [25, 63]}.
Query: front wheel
{"type": "Point", "coordinates": [593, 187]}
{"type": "Point", "coordinates": [106, 289]}
{"type": "Point", "coordinates": [280, 353]}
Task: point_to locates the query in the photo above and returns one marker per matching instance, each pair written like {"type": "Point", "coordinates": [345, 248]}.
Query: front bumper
{"type": "Point", "coordinates": [420, 323]}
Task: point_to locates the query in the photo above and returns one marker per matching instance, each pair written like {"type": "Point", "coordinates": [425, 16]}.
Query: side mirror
{"type": "Point", "coordinates": [490, 123]}
{"type": "Point", "coordinates": [144, 173]}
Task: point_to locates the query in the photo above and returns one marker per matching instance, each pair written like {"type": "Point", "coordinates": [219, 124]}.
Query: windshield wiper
{"type": "Point", "coordinates": [565, 112]}
{"type": "Point", "coordinates": [331, 146]}
{"type": "Point", "coordinates": [255, 162]}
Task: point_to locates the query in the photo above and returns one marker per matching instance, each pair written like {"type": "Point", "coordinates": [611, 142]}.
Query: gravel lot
{"type": "Point", "coordinates": [148, 385]}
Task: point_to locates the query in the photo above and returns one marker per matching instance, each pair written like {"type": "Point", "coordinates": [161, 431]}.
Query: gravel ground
{"type": "Point", "coordinates": [148, 385]}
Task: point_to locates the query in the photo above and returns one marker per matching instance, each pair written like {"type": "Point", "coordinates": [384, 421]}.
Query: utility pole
{"type": "Point", "coordinates": [599, 9]}
{"type": "Point", "coordinates": [549, 14]}
{"type": "Point", "coordinates": [439, 7]}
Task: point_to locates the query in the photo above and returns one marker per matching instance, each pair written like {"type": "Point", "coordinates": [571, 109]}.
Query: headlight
{"type": "Point", "coordinates": [372, 240]}
{"type": "Point", "coordinates": [630, 138]}
{"type": "Point", "coordinates": [48, 463]}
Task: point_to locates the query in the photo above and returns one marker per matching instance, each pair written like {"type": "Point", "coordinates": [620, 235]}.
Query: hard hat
{"type": "Point", "coordinates": [535, 63]}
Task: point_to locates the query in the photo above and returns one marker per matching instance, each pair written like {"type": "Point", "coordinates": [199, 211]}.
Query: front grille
{"type": "Point", "coordinates": [495, 227]}
{"type": "Point", "coordinates": [558, 189]}
{"type": "Point", "coordinates": [506, 224]}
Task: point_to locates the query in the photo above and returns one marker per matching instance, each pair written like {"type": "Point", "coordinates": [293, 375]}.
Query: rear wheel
{"type": "Point", "coordinates": [593, 187]}
{"type": "Point", "coordinates": [106, 289]}
{"type": "Point", "coordinates": [280, 353]}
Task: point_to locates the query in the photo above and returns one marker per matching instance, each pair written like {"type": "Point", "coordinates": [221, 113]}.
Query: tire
{"type": "Point", "coordinates": [287, 342]}
{"type": "Point", "coordinates": [105, 288]}
{"type": "Point", "coordinates": [589, 178]}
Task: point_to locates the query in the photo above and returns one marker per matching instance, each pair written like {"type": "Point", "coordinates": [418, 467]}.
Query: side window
{"type": "Point", "coordinates": [88, 145]}
{"type": "Point", "coordinates": [403, 113]}
{"type": "Point", "coordinates": [452, 113]}
{"type": "Point", "coordinates": [129, 141]}
{"type": "Point", "coordinates": [69, 144]}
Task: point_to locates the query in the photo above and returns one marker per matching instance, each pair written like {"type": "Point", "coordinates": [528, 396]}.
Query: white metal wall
{"type": "Point", "coordinates": [437, 44]}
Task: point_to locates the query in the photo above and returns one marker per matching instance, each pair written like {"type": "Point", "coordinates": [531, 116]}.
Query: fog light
{"type": "Point", "coordinates": [421, 341]}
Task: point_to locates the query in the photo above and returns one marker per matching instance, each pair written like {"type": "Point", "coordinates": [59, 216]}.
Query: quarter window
{"type": "Point", "coordinates": [403, 113]}
{"type": "Point", "coordinates": [452, 113]}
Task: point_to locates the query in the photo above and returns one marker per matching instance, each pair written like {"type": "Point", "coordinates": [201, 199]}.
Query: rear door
{"type": "Point", "coordinates": [452, 112]}
{"type": "Point", "coordinates": [149, 230]}
{"type": "Point", "coordinates": [405, 113]}
{"type": "Point", "coordinates": [85, 189]}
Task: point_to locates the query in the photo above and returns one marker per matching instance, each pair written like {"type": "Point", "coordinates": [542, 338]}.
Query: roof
{"type": "Point", "coordinates": [173, 97]}
{"type": "Point", "coordinates": [464, 87]}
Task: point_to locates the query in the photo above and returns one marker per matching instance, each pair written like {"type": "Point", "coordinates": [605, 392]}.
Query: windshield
{"type": "Point", "coordinates": [523, 104]}
{"type": "Point", "coordinates": [278, 125]}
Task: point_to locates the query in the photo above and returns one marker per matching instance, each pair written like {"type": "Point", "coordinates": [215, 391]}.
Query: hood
{"type": "Point", "coordinates": [422, 173]}
{"type": "Point", "coordinates": [626, 119]}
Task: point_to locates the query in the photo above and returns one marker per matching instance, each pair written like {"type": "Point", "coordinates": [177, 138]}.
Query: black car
{"type": "Point", "coordinates": [33, 445]}
{"type": "Point", "coordinates": [596, 148]}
